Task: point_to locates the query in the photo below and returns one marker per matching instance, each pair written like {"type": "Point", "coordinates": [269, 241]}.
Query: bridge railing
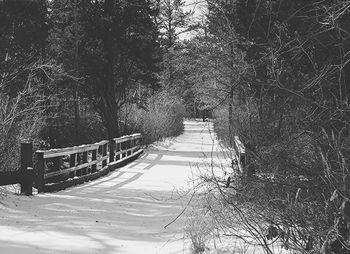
{"type": "Point", "coordinates": [240, 153]}
{"type": "Point", "coordinates": [126, 146]}
{"type": "Point", "coordinates": [25, 174]}
{"type": "Point", "coordinates": [61, 168]}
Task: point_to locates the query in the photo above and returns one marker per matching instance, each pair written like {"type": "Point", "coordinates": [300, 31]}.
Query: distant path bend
{"type": "Point", "coordinates": [124, 212]}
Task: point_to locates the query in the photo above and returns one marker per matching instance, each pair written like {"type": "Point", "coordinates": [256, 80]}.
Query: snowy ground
{"type": "Point", "coordinates": [124, 212]}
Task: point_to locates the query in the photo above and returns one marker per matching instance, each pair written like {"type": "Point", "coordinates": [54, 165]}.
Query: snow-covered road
{"type": "Point", "coordinates": [124, 212]}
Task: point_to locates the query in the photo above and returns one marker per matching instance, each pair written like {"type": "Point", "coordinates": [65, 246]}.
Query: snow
{"type": "Point", "coordinates": [124, 212]}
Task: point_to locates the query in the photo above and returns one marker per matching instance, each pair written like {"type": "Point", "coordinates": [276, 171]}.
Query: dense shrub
{"type": "Point", "coordinates": [299, 190]}
{"type": "Point", "coordinates": [221, 127]}
{"type": "Point", "coordinates": [291, 190]}
{"type": "Point", "coordinates": [60, 125]}
{"type": "Point", "coordinates": [161, 117]}
{"type": "Point", "coordinates": [19, 121]}
{"type": "Point", "coordinates": [22, 112]}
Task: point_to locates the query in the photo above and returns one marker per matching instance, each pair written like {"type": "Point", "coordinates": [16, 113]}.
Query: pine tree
{"type": "Point", "coordinates": [23, 34]}
{"type": "Point", "coordinates": [118, 52]}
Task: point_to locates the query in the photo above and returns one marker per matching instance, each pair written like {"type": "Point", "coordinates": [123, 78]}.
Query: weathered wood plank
{"type": "Point", "coordinates": [94, 158]}
{"type": "Point", "coordinates": [84, 170]}
{"type": "Point", "coordinates": [112, 146]}
{"type": "Point", "coordinates": [72, 182]}
{"type": "Point", "coordinates": [52, 153]}
{"type": "Point", "coordinates": [84, 148]}
{"type": "Point", "coordinates": [27, 181]}
{"type": "Point", "coordinates": [68, 170]}
{"type": "Point", "coordinates": [127, 137]}
{"type": "Point", "coordinates": [113, 152]}
{"type": "Point", "coordinates": [127, 150]}
{"type": "Point", "coordinates": [103, 142]}
{"type": "Point", "coordinates": [40, 171]}
{"type": "Point", "coordinates": [12, 177]}
{"type": "Point", "coordinates": [104, 154]}
{"type": "Point", "coordinates": [26, 165]}
{"type": "Point", "coordinates": [72, 163]}
{"type": "Point", "coordinates": [125, 160]}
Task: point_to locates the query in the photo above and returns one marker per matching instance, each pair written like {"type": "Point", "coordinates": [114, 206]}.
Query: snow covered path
{"type": "Point", "coordinates": [124, 212]}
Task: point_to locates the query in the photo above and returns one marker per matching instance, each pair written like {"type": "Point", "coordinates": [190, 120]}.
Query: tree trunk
{"type": "Point", "coordinates": [76, 85]}
{"type": "Point", "coordinates": [230, 107]}
{"type": "Point", "coordinates": [230, 118]}
{"type": "Point", "coordinates": [111, 107]}
{"type": "Point", "coordinates": [112, 125]}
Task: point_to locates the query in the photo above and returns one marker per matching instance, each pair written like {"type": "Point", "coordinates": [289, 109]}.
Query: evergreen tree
{"type": "Point", "coordinates": [172, 22]}
{"type": "Point", "coordinates": [64, 39]}
{"type": "Point", "coordinates": [23, 34]}
{"type": "Point", "coordinates": [118, 52]}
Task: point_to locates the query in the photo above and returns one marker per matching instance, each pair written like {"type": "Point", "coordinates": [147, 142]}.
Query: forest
{"type": "Point", "coordinates": [276, 73]}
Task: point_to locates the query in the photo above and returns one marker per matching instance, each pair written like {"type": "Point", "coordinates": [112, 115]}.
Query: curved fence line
{"type": "Point", "coordinates": [57, 169]}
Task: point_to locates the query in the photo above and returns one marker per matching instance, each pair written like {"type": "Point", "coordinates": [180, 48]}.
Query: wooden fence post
{"type": "Point", "coordinates": [72, 163]}
{"type": "Point", "coordinates": [84, 171]}
{"type": "Point", "coordinates": [26, 169]}
{"type": "Point", "coordinates": [129, 146]}
{"type": "Point", "coordinates": [29, 180]}
{"type": "Point", "coordinates": [111, 150]}
{"type": "Point", "coordinates": [94, 157]}
{"type": "Point", "coordinates": [40, 171]}
{"type": "Point", "coordinates": [117, 148]}
{"type": "Point", "coordinates": [124, 147]}
{"type": "Point", "coordinates": [241, 152]}
{"type": "Point", "coordinates": [104, 153]}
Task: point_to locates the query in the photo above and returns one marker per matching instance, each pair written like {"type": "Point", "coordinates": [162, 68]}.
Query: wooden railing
{"type": "Point", "coordinates": [240, 154]}
{"type": "Point", "coordinates": [61, 168]}
{"type": "Point", "coordinates": [25, 175]}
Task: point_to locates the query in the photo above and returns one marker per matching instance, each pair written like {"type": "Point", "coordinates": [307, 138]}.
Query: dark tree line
{"type": "Point", "coordinates": [78, 66]}
{"type": "Point", "coordinates": [114, 49]}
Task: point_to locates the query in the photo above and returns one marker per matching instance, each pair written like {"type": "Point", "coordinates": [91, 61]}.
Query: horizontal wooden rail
{"type": "Point", "coordinates": [68, 170]}
{"type": "Point", "coordinates": [128, 137]}
{"type": "Point", "coordinates": [67, 151]}
{"type": "Point", "coordinates": [12, 177]}
{"type": "Point", "coordinates": [85, 162]}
